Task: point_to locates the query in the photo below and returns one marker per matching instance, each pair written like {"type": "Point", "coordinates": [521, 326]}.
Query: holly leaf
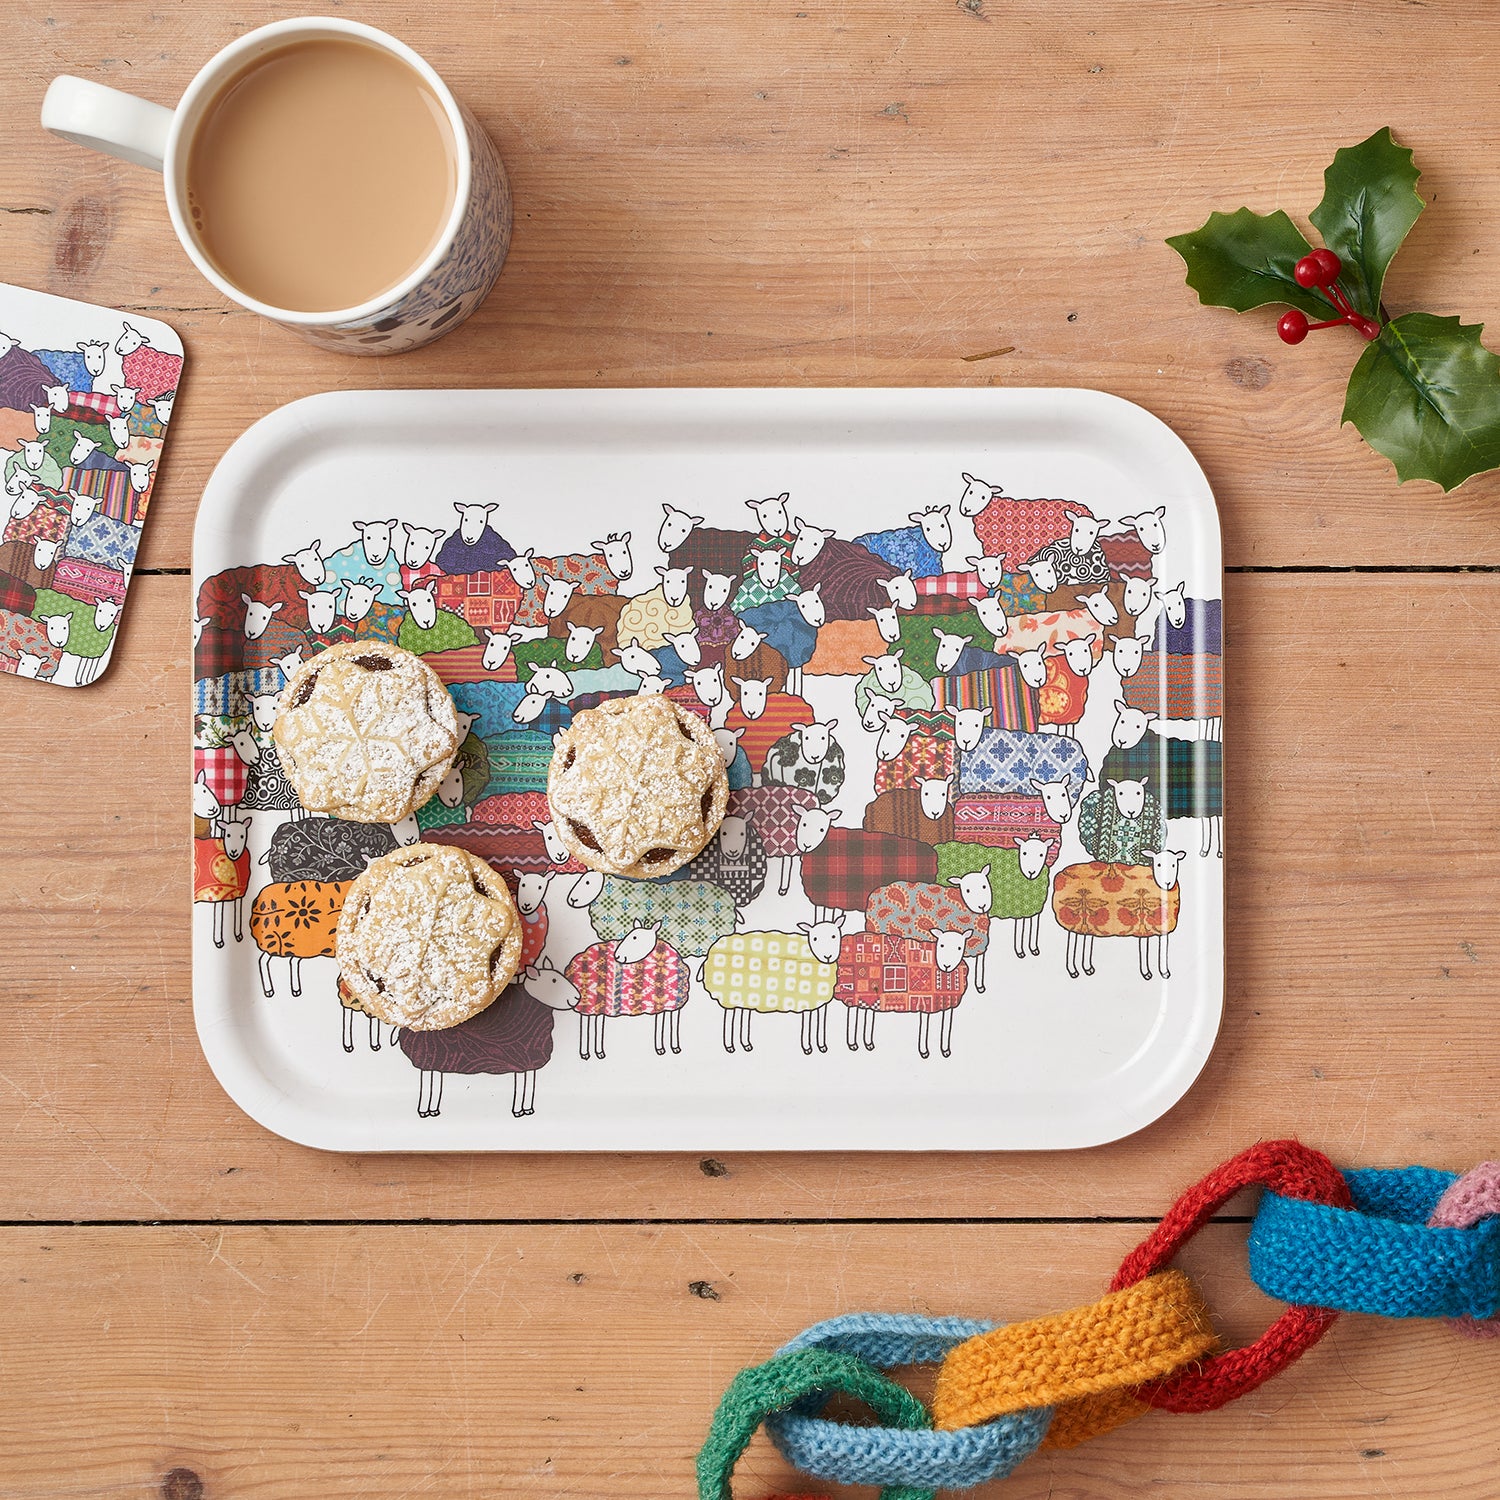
{"type": "Point", "coordinates": [1244, 260]}
{"type": "Point", "coordinates": [1369, 203]}
{"type": "Point", "coordinates": [1426, 394]}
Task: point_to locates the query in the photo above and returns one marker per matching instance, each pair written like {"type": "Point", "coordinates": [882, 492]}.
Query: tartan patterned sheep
{"type": "Point", "coordinates": [1016, 879]}
{"type": "Point", "coordinates": [617, 979]}
{"type": "Point", "coordinates": [1186, 776]}
{"type": "Point", "coordinates": [775, 973]}
{"type": "Point", "coordinates": [296, 920]}
{"type": "Point", "coordinates": [850, 864]}
{"type": "Point", "coordinates": [922, 909]}
{"type": "Point", "coordinates": [881, 972]}
{"type": "Point", "coordinates": [1108, 900]}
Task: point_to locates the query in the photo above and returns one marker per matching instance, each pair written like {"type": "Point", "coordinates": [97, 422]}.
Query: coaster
{"type": "Point", "coordinates": [86, 395]}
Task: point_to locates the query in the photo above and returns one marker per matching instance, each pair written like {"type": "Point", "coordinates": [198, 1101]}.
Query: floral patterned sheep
{"type": "Point", "coordinates": [296, 920]}
{"type": "Point", "coordinates": [1107, 900]}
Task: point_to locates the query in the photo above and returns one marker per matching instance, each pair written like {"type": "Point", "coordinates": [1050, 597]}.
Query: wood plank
{"type": "Point", "coordinates": [1362, 951]}
{"type": "Point", "coordinates": [575, 1361]}
{"type": "Point", "coordinates": [847, 194]}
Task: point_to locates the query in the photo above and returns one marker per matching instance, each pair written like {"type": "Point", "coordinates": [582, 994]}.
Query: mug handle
{"type": "Point", "coordinates": [107, 120]}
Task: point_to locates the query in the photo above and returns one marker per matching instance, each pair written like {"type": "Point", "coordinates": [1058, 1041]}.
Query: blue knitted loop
{"type": "Point", "coordinates": [890, 1456]}
{"type": "Point", "coordinates": [1380, 1258]}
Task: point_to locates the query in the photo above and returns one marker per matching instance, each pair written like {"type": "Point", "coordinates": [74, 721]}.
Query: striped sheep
{"type": "Point", "coordinates": [221, 874]}
{"type": "Point", "coordinates": [628, 978]}
{"type": "Point", "coordinates": [776, 972]}
{"type": "Point", "coordinates": [880, 972]}
{"type": "Point", "coordinates": [295, 920]}
{"type": "Point", "coordinates": [850, 863]}
{"type": "Point", "coordinates": [1109, 900]}
{"type": "Point", "coordinates": [919, 910]}
{"type": "Point", "coordinates": [1016, 880]}
{"type": "Point", "coordinates": [1180, 687]}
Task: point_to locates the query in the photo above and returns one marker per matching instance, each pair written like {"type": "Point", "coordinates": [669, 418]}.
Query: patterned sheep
{"type": "Point", "coordinates": [1008, 761]}
{"type": "Point", "coordinates": [326, 849]}
{"type": "Point", "coordinates": [809, 757]}
{"type": "Point", "coordinates": [919, 910]}
{"type": "Point", "coordinates": [1016, 880]}
{"type": "Point", "coordinates": [1107, 900]}
{"type": "Point", "coordinates": [296, 920]}
{"type": "Point", "coordinates": [998, 822]}
{"type": "Point", "coordinates": [688, 915]}
{"type": "Point", "coordinates": [1121, 822]}
{"type": "Point", "coordinates": [775, 972]}
{"type": "Point", "coordinates": [1179, 687]}
{"type": "Point", "coordinates": [762, 717]}
{"type": "Point", "coordinates": [1187, 776]}
{"type": "Point", "coordinates": [878, 972]}
{"type": "Point", "coordinates": [904, 812]}
{"type": "Point", "coordinates": [221, 874]}
{"type": "Point", "coordinates": [619, 979]}
{"type": "Point", "coordinates": [514, 1036]}
{"type": "Point", "coordinates": [850, 863]}
{"type": "Point", "coordinates": [775, 812]}
{"type": "Point", "coordinates": [735, 858]}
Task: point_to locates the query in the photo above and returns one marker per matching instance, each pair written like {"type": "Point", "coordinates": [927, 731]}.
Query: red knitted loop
{"type": "Point", "coordinates": [1289, 1168]}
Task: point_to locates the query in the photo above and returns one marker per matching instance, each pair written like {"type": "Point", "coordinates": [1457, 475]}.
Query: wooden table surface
{"type": "Point", "coordinates": [801, 192]}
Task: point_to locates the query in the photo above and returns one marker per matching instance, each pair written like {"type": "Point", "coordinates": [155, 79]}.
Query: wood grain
{"type": "Point", "coordinates": [855, 193]}
{"type": "Point", "coordinates": [470, 1361]}
{"type": "Point", "coordinates": [1362, 950]}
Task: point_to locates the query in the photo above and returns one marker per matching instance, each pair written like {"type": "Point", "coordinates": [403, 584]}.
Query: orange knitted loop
{"type": "Point", "coordinates": [1091, 1356]}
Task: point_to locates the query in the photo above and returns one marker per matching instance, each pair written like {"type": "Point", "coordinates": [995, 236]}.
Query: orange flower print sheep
{"type": "Point", "coordinates": [1098, 899]}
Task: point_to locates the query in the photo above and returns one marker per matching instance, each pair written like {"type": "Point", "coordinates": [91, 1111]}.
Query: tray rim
{"type": "Point", "coordinates": [274, 1109]}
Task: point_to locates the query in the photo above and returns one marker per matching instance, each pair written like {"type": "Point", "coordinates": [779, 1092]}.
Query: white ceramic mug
{"type": "Point", "coordinates": [436, 297]}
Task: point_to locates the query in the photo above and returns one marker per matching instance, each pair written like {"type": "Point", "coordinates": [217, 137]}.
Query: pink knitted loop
{"type": "Point", "coordinates": [1475, 1196]}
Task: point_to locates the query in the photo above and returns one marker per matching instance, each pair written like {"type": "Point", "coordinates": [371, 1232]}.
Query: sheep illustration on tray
{"type": "Point", "coordinates": [907, 716]}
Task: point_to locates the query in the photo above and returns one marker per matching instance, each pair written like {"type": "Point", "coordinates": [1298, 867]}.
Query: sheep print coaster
{"type": "Point", "coordinates": [86, 395]}
{"type": "Point", "coordinates": [961, 650]}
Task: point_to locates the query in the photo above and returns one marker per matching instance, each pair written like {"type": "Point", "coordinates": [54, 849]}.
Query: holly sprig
{"type": "Point", "coordinates": [1425, 392]}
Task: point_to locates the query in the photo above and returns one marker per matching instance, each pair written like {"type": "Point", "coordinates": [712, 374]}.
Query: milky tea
{"type": "Point", "coordinates": [321, 175]}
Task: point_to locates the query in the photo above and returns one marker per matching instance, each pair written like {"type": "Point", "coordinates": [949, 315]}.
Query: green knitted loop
{"type": "Point", "coordinates": [781, 1382]}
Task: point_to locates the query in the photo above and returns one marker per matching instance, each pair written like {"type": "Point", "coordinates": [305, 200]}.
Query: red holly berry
{"type": "Point", "coordinates": [1292, 325]}
{"type": "Point", "coordinates": [1330, 265]}
{"type": "Point", "coordinates": [1317, 268]}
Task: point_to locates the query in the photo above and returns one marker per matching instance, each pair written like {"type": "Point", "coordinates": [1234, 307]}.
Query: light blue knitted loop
{"type": "Point", "coordinates": [887, 1455]}
{"type": "Point", "coordinates": [1380, 1257]}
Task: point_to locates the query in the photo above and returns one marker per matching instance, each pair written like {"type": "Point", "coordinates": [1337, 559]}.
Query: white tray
{"type": "Point", "coordinates": [1039, 1059]}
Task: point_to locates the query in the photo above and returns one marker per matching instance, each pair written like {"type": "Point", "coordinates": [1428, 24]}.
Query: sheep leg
{"type": "Point", "coordinates": [1088, 954]}
{"type": "Point", "coordinates": [870, 1030]}
{"type": "Point", "coordinates": [294, 965]}
{"type": "Point", "coordinates": [1018, 928]}
{"type": "Point", "coordinates": [805, 1022]}
{"type": "Point", "coordinates": [979, 972]}
{"type": "Point", "coordinates": [515, 1096]}
{"type": "Point", "coordinates": [1161, 956]}
{"type": "Point", "coordinates": [658, 1032]}
{"type": "Point", "coordinates": [1036, 935]}
{"type": "Point", "coordinates": [437, 1096]}
{"type": "Point", "coordinates": [945, 1034]}
{"type": "Point", "coordinates": [1219, 829]}
{"type": "Point", "coordinates": [531, 1091]}
{"type": "Point", "coordinates": [1208, 838]}
{"type": "Point", "coordinates": [728, 1029]}
{"type": "Point", "coordinates": [374, 1033]}
{"type": "Point", "coordinates": [924, 1027]}
{"type": "Point", "coordinates": [1072, 959]}
{"type": "Point", "coordinates": [424, 1094]}
{"type": "Point", "coordinates": [263, 963]}
{"type": "Point", "coordinates": [851, 1028]}
{"type": "Point", "coordinates": [674, 1031]}
{"type": "Point", "coordinates": [395, 1032]}
{"type": "Point", "coordinates": [745, 1030]}
{"type": "Point", "coordinates": [599, 1035]}
{"type": "Point", "coordinates": [823, 1027]}
{"type": "Point", "coordinates": [218, 924]}
{"type": "Point", "coordinates": [239, 920]}
{"type": "Point", "coordinates": [1144, 944]}
{"type": "Point", "coordinates": [786, 875]}
{"type": "Point", "coordinates": [348, 1028]}
{"type": "Point", "coordinates": [585, 1024]}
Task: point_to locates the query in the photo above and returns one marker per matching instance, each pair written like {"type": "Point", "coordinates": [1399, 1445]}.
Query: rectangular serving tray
{"type": "Point", "coordinates": [930, 479]}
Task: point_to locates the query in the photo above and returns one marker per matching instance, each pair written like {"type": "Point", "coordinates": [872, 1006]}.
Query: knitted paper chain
{"type": "Point", "coordinates": [1408, 1243]}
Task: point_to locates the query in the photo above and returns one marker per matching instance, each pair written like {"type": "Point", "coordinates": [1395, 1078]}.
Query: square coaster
{"type": "Point", "coordinates": [86, 396]}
